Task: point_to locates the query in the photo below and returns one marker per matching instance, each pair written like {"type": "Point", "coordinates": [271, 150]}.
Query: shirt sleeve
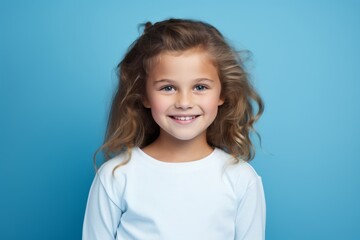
{"type": "Point", "coordinates": [251, 213]}
{"type": "Point", "coordinates": [102, 215]}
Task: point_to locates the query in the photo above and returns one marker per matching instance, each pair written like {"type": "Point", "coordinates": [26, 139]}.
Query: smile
{"type": "Point", "coordinates": [184, 118]}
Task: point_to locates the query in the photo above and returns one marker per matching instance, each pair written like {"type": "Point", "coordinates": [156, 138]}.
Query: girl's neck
{"type": "Point", "coordinates": [175, 150]}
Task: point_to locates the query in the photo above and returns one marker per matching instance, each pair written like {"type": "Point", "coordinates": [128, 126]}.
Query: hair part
{"type": "Point", "coordinates": [130, 124]}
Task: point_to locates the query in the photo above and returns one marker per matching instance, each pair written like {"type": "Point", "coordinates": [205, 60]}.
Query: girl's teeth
{"type": "Point", "coordinates": [184, 118]}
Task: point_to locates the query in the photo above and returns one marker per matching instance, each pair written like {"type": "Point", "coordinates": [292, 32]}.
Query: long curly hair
{"type": "Point", "coordinates": [131, 125]}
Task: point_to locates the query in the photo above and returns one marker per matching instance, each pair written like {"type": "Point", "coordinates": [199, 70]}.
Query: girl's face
{"type": "Point", "coordinates": [183, 92]}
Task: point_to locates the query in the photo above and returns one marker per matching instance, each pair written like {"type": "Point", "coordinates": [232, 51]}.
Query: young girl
{"type": "Point", "coordinates": [178, 143]}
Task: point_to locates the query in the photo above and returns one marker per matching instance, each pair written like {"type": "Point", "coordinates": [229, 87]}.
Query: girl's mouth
{"type": "Point", "coordinates": [184, 118]}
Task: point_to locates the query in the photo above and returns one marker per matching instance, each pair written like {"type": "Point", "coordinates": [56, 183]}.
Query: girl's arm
{"type": "Point", "coordinates": [250, 219]}
{"type": "Point", "coordinates": [102, 215]}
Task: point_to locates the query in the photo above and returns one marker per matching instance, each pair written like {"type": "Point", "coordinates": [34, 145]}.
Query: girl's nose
{"type": "Point", "coordinates": [183, 101]}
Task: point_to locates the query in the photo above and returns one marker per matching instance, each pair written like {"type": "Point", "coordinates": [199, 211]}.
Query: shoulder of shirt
{"type": "Point", "coordinates": [108, 166]}
{"type": "Point", "coordinates": [241, 175]}
{"type": "Point", "coordinates": [112, 178]}
{"type": "Point", "coordinates": [238, 169]}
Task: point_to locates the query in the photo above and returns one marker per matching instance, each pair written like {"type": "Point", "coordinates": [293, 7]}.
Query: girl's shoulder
{"type": "Point", "coordinates": [242, 170]}
{"type": "Point", "coordinates": [107, 167]}
{"type": "Point", "coordinates": [110, 174]}
{"type": "Point", "coordinates": [240, 167]}
{"type": "Point", "coordinates": [240, 175]}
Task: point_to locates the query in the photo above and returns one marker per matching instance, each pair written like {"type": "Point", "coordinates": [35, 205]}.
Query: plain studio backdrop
{"type": "Point", "coordinates": [58, 61]}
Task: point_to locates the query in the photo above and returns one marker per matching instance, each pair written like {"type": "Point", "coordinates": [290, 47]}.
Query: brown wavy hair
{"type": "Point", "coordinates": [131, 125]}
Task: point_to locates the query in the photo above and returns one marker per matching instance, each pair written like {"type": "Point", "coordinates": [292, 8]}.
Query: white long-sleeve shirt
{"type": "Point", "coordinates": [150, 199]}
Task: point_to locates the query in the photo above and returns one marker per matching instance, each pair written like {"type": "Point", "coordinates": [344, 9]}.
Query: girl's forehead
{"type": "Point", "coordinates": [159, 58]}
{"type": "Point", "coordinates": [189, 64]}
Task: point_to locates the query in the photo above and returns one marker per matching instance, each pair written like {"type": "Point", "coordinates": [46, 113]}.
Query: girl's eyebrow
{"type": "Point", "coordinates": [197, 80]}
{"type": "Point", "coordinates": [163, 81]}
{"type": "Point", "coordinates": [204, 80]}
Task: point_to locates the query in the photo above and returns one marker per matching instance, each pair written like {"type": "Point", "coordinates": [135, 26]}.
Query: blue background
{"type": "Point", "coordinates": [57, 76]}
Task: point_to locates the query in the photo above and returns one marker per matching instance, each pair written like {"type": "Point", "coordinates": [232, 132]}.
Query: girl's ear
{"type": "Point", "coordinates": [145, 102]}
{"type": "Point", "coordinates": [221, 101]}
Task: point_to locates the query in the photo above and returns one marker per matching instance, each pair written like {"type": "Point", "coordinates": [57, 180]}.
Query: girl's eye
{"type": "Point", "coordinates": [167, 88]}
{"type": "Point", "coordinates": [200, 88]}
